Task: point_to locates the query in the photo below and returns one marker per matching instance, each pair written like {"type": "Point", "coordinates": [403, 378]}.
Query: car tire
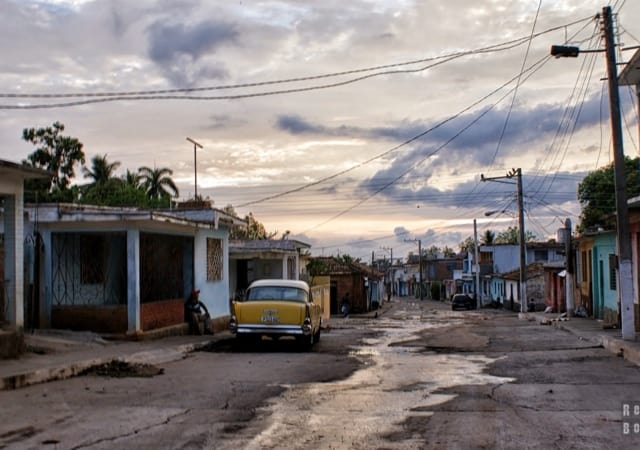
{"type": "Point", "coordinates": [305, 342]}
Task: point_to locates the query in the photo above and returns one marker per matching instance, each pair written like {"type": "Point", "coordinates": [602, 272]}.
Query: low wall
{"type": "Point", "coordinates": [99, 319]}
{"type": "Point", "coordinates": [160, 314]}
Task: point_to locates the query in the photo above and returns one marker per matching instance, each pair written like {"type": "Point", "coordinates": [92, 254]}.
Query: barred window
{"type": "Point", "coordinates": [92, 258]}
{"type": "Point", "coordinates": [214, 259]}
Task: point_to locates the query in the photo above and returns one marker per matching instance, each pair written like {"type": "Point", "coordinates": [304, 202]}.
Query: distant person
{"type": "Point", "coordinates": [196, 312]}
{"type": "Point", "coordinates": [344, 306]}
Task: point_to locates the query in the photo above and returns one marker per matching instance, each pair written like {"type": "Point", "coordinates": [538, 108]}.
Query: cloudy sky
{"type": "Point", "coordinates": [355, 125]}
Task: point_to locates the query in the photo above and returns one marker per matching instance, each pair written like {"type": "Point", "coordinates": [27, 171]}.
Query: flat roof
{"type": "Point", "coordinates": [630, 75]}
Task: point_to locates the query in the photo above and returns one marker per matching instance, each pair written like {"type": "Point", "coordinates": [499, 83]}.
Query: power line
{"type": "Point", "coordinates": [146, 95]}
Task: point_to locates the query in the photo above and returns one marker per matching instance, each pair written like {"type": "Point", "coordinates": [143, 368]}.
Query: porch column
{"type": "Point", "coordinates": [133, 281]}
{"type": "Point", "coordinates": [285, 267]}
{"type": "Point", "coordinates": [297, 267]}
{"type": "Point", "coordinates": [14, 258]}
{"type": "Point", "coordinates": [46, 306]}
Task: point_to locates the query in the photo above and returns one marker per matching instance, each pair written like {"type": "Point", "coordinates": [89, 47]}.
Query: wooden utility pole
{"type": "Point", "coordinates": [625, 273]}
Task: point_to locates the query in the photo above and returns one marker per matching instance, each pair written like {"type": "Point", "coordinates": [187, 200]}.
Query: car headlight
{"type": "Point", "coordinates": [306, 325]}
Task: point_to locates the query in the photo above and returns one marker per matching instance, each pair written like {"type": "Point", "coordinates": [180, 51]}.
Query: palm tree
{"type": "Point", "coordinates": [157, 183]}
{"type": "Point", "coordinates": [131, 179]}
{"type": "Point", "coordinates": [488, 237]}
{"type": "Point", "coordinates": [101, 170]}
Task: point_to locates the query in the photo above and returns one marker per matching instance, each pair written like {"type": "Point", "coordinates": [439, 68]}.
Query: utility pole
{"type": "Point", "coordinates": [623, 235]}
{"type": "Point", "coordinates": [390, 269]}
{"type": "Point", "coordinates": [568, 280]}
{"type": "Point", "coordinates": [625, 288]}
{"type": "Point", "coordinates": [195, 165]}
{"type": "Point", "coordinates": [523, 246]}
{"type": "Point", "coordinates": [477, 264]}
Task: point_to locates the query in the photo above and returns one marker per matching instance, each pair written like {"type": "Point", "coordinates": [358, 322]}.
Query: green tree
{"type": "Point", "coordinates": [433, 250]}
{"type": "Point", "coordinates": [132, 179]}
{"type": "Point", "coordinates": [57, 154]}
{"type": "Point", "coordinates": [448, 252]}
{"type": "Point", "coordinates": [512, 236]}
{"type": "Point", "coordinates": [468, 245]}
{"type": "Point", "coordinates": [254, 230]}
{"type": "Point", "coordinates": [101, 170]}
{"type": "Point", "coordinates": [488, 237]}
{"type": "Point", "coordinates": [596, 193]}
{"type": "Point", "coordinates": [158, 185]}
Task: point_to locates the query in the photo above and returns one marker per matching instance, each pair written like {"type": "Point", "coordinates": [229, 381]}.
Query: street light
{"type": "Point", "coordinates": [195, 166]}
{"type": "Point", "coordinates": [623, 235]}
{"type": "Point", "coordinates": [517, 173]}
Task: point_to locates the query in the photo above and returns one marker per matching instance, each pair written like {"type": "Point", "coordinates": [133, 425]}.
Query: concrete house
{"type": "Point", "coordinates": [596, 275]}
{"type": "Point", "coordinates": [265, 258]}
{"type": "Point", "coordinates": [124, 270]}
{"type": "Point", "coordinates": [535, 286]}
{"type": "Point", "coordinates": [12, 177]}
{"type": "Point", "coordinates": [364, 285]}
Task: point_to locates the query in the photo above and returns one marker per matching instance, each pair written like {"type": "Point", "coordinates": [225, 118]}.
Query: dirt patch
{"type": "Point", "coordinates": [120, 369]}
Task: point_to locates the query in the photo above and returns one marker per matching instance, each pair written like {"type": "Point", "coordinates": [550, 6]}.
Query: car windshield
{"type": "Point", "coordinates": [291, 294]}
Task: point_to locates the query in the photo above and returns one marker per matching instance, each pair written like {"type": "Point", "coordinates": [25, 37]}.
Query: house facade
{"type": "Point", "coordinates": [535, 286]}
{"type": "Point", "coordinates": [124, 270]}
{"type": "Point", "coordinates": [266, 258]}
{"type": "Point", "coordinates": [364, 285]}
{"type": "Point", "coordinates": [12, 296]}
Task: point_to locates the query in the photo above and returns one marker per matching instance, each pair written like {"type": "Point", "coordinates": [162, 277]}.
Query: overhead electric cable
{"type": "Point", "coordinates": [103, 97]}
{"type": "Point", "coordinates": [408, 141]}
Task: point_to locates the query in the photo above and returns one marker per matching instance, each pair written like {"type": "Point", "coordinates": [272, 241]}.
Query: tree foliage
{"type": "Point", "coordinates": [157, 183]}
{"type": "Point", "coordinates": [596, 193]}
{"type": "Point", "coordinates": [488, 237]}
{"type": "Point", "coordinates": [512, 236]}
{"type": "Point", "coordinates": [56, 153]}
{"type": "Point", "coordinates": [468, 245]}
{"type": "Point", "coordinates": [101, 170]}
{"type": "Point", "coordinates": [254, 230]}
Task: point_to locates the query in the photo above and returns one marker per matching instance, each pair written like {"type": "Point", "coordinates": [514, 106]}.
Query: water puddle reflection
{"type": "Point", "coordinates": [396, 382]}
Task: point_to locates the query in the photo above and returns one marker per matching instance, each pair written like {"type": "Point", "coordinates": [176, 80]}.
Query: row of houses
{"type": "Point", "coordinates": [592, 267]}
{"type": "Point", "coordinates": [129, 270]}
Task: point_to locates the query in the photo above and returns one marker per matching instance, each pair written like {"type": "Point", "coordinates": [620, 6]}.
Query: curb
{"type": "Point", "coordinates": [75, 368]}
{"type": "Point", "coordinates": [629, 350]}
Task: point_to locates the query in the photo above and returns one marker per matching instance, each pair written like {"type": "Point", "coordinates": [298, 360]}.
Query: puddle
{"type": "Point", "coordinates": [396, 383]}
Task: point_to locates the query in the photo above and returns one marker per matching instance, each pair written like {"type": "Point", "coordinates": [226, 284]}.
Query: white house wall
{"type": "Point", "coordinates": [214, 294]}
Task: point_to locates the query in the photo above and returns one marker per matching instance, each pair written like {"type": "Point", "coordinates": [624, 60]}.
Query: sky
{"type": "Point", "coordinates": [359, 127]}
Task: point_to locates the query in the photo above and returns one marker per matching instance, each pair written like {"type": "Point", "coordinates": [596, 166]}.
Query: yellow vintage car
{"type": "Point", "coordinates": [277, 308]}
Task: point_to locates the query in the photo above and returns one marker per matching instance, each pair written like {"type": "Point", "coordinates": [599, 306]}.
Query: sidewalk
{"type": "Point", "coordinates": [55, 355]}
{"type": "Point", "coordinates": [591, 330]}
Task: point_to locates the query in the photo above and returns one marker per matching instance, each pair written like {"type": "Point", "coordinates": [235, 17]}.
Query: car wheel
{"type": "Point", "coordinates": [305, 342]}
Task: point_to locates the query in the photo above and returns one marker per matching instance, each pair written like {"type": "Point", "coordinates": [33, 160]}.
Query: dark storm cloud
{"type": "Point", "coordinates": [177, 48]}
{"type": "Point", "coordinates": [170, 42]}
{"type": "Point", "coordinates": [297, 125]}
{"type": "Point", "coordinates": [478, 142]}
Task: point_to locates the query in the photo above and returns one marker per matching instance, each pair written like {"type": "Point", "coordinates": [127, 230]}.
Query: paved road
{"type": "Point", "coordinates": [417, 376]}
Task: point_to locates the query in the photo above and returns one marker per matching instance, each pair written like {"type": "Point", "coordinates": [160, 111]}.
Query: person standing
{"type": "Point", "coordinates": [344, 306]}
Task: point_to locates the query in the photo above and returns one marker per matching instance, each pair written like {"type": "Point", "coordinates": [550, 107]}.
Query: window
{"type": "Point", "coordinates": [613, 263]}
{"type": "Point", "coordinates": [540, 255]}
{"type": "Point", "coordinates": [214, 259]}
{"type": "Point", "coordinates": [277, 293]}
